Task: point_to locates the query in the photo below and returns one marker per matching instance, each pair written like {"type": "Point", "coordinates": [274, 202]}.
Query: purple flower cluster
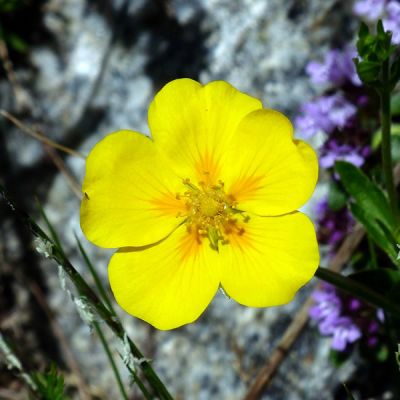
{"type": "Point", "coordinates": [332, 226]}
{"type": "Point", "coordinates": [334, 151]}
{"type": "Point", "coordinates": [325, 114]}
{"type": "Point", "coordinates": [370, 10]}
{"type": "Point", "coordinates": [344, 318]}
{"type": "Point", "coordinates": [336, 113]}
{"type": "Point", "coordinates": [336, 69]}
{"type": "Point", "coordinates": [388, 11]}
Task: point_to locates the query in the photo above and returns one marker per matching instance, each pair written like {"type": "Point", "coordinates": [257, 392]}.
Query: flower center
{"type": "Point", "coordinates": [210, 213]}
{"type": "Point", "coordinates": [209, 207]}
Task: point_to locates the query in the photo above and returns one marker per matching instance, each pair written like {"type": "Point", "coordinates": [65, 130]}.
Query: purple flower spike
{"type": "Point", "coordinates": [336, 69]}
{"type": "Point", "coordinates": [344, 332]}
{"type": "Point", "coordinates": [333, 152]}
{"type": "Point", "coordinates": [327, 305]}
{"type": "Point", "coordinates": [392, 21]}
{"type": "Point", "coordinates": [371, 10]}
{"type": "Point", "coordinates": [325, 114]}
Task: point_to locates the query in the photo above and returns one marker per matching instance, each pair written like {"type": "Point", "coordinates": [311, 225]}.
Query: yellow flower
{"type": "Point", "coordinates": [209, 201]}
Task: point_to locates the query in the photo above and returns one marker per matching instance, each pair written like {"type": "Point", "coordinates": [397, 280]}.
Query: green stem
{"type": "Point", "coordinates": [111, 360]}
{"type": "Point", "coordinates": [358, 290]}
{"type": "Point", "coordinates": [85, 290]}
{"type": "Point", "coordinates": [106, 299]}
{"type": "Point", "coordinates": [97, 280]}
{"type": "Point", "coordinates": [143, 389]}
{"type": "Point", "coordinates": [386, 121]}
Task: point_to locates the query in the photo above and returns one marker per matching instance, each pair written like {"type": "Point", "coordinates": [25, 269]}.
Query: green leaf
{"type": "Point", "coordinates": [379, 28]}
{"type": "Point", "coordinates": [368, 71]}
{"type": "Point", "coordinates": [363, 32]}
{"type": "Point", "coordinates": [336, 198]}
{"type": "Point", "coordinates": [375, 231]}
{"type": "Point", "coordinates": [50, 384]}
{"type": "Point", "coordinates": [366, 194]}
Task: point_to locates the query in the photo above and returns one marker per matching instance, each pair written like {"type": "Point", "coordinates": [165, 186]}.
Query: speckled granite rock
{"type": "Point", "coordinates": [107, 61]}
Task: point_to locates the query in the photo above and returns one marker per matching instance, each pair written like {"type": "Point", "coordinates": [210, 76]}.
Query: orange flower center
{"type": "Point", "coordinates": [211, 213]}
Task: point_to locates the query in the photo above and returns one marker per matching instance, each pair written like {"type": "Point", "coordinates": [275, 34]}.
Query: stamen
{"type": "Point", "coordinates": [211, 213]}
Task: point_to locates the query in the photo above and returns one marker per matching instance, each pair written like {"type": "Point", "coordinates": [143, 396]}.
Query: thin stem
{"type": "Point", "coordinates": [106, 299]}
{"type": "Point", "coordinates": [386, 120]}
{"type": "Point", "coordinates": [85, 290]}
{"type": "Point", "coordinates": [111, 360]}
{"type": "Point", "coordinates": [52, 231]}
{"type": "Point", "coordinates": [358, 290]}
{"type": "Point", "coordinates": [143, 389]}
{"type": "Point", "coordinates": [97, 280]}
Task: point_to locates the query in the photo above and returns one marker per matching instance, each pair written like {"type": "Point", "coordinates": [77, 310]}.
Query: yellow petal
{"type": "Point", "coordinates": [192, 124]}
{"type": "Point", "coordinates": [167, 285]}
{"type": "Point", "coordinates": [264, 169]}
{"type": "Point", "coordinates": [270, 260]}
{"type": "Point", "coordinates": [129, 193]}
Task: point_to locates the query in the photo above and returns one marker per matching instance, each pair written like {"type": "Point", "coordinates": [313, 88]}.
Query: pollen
{"type": "Point", "coordinates": [211, 213]}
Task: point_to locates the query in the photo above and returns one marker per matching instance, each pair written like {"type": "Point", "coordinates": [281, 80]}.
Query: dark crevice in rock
{"type": "Point", "coordinates": [175, 50]}
{"type": "Point", "coordinates": [296, 9]}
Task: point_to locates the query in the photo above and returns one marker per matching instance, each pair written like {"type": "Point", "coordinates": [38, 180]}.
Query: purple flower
{"type": "Point", "coordinates": [389, 11]}
{"type": "Point", "coordinates": [371, 10]}
{"type": "Point", "coordinates": [334, 151]}
{"type": "Point", "coordinates": [327, 312]}
{"type": "Point", "coordinates": [343, 318]}
{"type": "Point", "coordinates": [327, 304]}
{"type": "Point", "coordinates": [392, 20]}
{"type": "Point", "coordinates": [336, 69]}
{"type": "Point", "coordinates": [325, 114]}
{"type": "Point", "coordinates": [343, 332]}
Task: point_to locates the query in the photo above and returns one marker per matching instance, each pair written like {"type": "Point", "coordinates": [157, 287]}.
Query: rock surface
{"type": "Point", "coordinates": [106, 61]}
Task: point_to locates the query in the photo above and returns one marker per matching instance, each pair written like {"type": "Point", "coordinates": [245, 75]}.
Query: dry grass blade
{"type": "Point", "coordinates": [59, 163]}
{"type": "Point", "coordinates": [21, 99]}
{"type": "Point", "coordinates": [39, 136]}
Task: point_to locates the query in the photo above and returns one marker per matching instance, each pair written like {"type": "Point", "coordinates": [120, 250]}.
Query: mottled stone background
{"type": "Point", "coordinates": [93, 69]}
